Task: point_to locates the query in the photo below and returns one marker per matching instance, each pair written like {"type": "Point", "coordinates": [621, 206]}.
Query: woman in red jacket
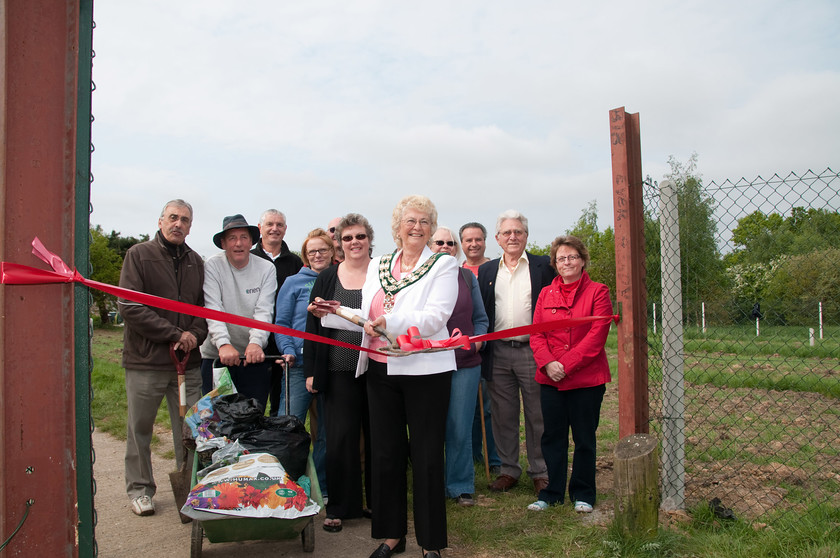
{"type": "Point", "coordinates": [572, 371]}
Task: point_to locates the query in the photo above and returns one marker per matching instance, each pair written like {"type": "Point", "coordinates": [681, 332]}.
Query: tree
{"type": "Point", "coordinates": [760, 238]}
{"type": "Point", "coordinates": [601, 246]}
{"type": "Point", "coordinates": [106, 259]}
{"type": "Point", "coordinates": [106, 265]}
{"type": "Point", "coordinates": [800, 283]}
{"type": "Point", "coordinates": [703, 277]}
{"type": "Point", "coordinates": [786, 262]}
{"type": "Point", "coordinates": [122, 243]}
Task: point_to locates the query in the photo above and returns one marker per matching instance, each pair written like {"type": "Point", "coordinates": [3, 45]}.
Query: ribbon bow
{"type": "Point", "coordinates": [412, 342]}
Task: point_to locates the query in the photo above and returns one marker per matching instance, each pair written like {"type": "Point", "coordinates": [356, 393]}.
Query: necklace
{"type": "Point", "coordinates": [390, 284]}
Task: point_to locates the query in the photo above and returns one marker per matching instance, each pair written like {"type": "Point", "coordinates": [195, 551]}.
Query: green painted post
{"type": "Point", "coordinates": [83, 360]}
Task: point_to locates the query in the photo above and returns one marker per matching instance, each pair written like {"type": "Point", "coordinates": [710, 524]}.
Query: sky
{"type": "Point", "coordinates": [323, 108]}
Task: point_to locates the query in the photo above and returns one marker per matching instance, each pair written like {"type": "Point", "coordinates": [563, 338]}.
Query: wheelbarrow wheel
{"type": "Point", "coordinates": [196, 540]}
{"type": "Point", "coordinates": [307, 536]}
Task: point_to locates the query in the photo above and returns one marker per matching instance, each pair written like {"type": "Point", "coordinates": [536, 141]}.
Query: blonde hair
{"type": "Point", "coordinates": [420, 203]}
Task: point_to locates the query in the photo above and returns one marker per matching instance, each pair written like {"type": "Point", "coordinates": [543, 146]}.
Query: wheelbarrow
{"type": "Point", "coordinates": [235, 529]}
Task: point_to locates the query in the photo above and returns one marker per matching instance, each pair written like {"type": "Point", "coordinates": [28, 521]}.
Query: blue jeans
{"type": "Point", "coordinates": [299, 398]}
{"type": "Point", "coordinates": [460, 473]}
{"type": "Point", "coordinates": [477, 445]}
{"type": "Point", "coordinates": [299, 401]}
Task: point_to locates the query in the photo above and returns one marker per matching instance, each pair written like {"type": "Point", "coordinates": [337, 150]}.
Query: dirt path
{"type": "Point", "coordinates": [120, 533]}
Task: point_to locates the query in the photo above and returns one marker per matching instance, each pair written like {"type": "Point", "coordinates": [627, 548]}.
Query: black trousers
{"type": "Point", "coordinates": [346, 410]}
{"type": "Point", "coordinates": [253, 380]}
{"type": "Point", "coordinates": [408, 420]}
{"type": "Point", "coordinates": [580, 411]}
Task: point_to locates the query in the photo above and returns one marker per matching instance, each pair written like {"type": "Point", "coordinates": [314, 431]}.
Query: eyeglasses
{"type": "Point", "coordinates": [174, 218]}
{"type": "Point", "coordinates": [411, 222]}
{"type": "Point", "coordinates": [350, 237]}
{"type": "Point", "coordinates": [331, 229]}
{"type": "Point", "coordinates": [447, 242]}
{"type": "Point", "coordinates": [562, 259]}
{"type": "Point", "coordinates": [514, 232]}
{"type": "Point", "coordinates": [318, 252]}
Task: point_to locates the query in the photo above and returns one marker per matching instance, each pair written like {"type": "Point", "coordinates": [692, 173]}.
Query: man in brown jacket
{"type": "Point", "coordinates": [163, 266]}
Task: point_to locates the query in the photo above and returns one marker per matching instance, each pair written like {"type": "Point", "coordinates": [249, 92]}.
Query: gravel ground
{"type": "Point", "coordinates": [120, 533]}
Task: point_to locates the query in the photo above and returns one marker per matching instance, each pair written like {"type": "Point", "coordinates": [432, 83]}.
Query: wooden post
{"type": "Point", "coordinates": [636, 485]}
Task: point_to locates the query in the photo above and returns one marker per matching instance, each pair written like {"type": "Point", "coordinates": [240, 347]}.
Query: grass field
{"type": "Point", "coordinates": [108, 378]}
{"type": "Point", "coordinates": [733, 421]}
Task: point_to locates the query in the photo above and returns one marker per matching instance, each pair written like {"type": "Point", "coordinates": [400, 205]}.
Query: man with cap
{"type": "Point", "coordinates": [238, 283]}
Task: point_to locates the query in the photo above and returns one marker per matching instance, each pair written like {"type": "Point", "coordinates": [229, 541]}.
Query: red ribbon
{"type": "Point", "coordinates": [412, 341]}
{"type": "Point", "coordinates": [16, 274]}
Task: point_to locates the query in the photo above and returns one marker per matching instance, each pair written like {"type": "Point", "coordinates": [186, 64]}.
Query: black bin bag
{"type": "Point", "coordinates": [285, 437]}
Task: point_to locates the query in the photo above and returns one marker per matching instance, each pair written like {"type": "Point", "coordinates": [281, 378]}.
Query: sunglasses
{"type": "Point", "coordinates": [447, 242]}
{"type": "Point", "coordinates": [349, 237]}
{"type": "Point", "coordinates": [331, 229]}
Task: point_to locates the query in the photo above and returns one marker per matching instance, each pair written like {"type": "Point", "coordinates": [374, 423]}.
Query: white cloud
{"type": "Point", "coordinates": [327, 107]}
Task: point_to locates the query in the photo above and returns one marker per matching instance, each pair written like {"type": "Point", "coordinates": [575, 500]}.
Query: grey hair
{"type": "Point", "coordinates": [453, 237]}
{"type": "Point", "coordinates": [177, 203]}
{"type": "Point", "coordinates": [268, 212]}
{"type": "Point", "coordinates": [511, 214]}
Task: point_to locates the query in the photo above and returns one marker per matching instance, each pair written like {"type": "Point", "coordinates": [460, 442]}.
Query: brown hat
{"type": "Point", "coordinates": [236, 222]}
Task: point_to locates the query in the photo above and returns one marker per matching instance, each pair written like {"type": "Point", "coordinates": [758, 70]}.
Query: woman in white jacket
{"type": "Point", "coordinates": [408, 396]}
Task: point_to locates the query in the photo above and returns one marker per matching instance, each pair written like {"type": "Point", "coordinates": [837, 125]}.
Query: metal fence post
{"type": "Point", "coordinates": [631, 291]}
{"type": "Point", "coordinates": [673, 404]}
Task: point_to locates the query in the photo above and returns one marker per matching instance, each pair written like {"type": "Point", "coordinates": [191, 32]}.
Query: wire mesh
{"type": "Point", "coordinates": [760, 289]}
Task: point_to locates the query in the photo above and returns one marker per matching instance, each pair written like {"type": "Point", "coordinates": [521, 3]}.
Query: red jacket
{"type": "Point", "coordinates": [579, 349]}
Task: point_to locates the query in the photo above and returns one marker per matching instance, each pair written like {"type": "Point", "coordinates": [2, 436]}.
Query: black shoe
{"type": "Point", "coordinates": [384, 551]}
{"type": "Point", "coordinates": [332, 526]}
{"type": "Point", "coordinates": [432, 554]}
{"type": "Point", "coordinates": [465, 500]}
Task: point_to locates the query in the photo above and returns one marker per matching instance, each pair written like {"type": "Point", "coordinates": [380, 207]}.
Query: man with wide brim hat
{"type": "Point", "coordinates": [236, 222]}
{"type": "Point", "coordinates": [237, 283]}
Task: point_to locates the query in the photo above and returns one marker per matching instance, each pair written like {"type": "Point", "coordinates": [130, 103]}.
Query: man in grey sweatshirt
{"type": "Point", "coordinates": [240, 283]}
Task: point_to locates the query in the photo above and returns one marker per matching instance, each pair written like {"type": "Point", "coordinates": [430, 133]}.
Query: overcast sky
{"type": "Point", "coordinates": [323, 108]}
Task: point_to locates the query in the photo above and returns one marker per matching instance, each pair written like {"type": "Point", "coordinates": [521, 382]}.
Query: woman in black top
{"type": "Point", "coordinates": [331, 370]}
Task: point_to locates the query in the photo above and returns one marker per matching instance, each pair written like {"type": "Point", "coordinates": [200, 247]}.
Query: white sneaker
{"type": "Point", "coordinates": [583, 507]}
{"type": "Point", "coordinates": [143, 506]}
{"type": "Point", "coordinates": [539, 505]}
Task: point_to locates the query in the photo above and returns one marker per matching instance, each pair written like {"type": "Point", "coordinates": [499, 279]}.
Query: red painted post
{"type": "Point", "coordinates": [631, 291]}
{"type": "Point", "coordinates": [38, 61]}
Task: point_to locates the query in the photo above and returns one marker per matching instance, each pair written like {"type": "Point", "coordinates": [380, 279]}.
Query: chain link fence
{"type": "Point", "coordinates": [754, 419]}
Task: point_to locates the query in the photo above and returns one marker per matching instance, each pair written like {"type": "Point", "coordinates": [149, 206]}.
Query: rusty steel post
{"type": "Point", "coordinates": [38, 93]}
{"type": "Point", "coordinates": [631, 291]}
